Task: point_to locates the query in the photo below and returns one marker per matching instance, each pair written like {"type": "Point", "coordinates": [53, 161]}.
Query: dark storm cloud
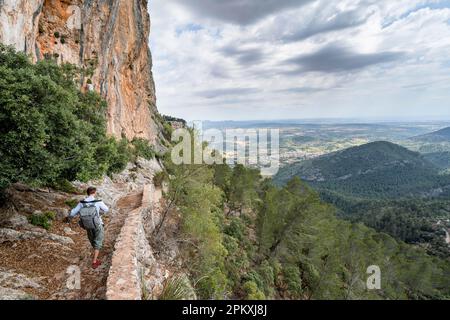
{"type": "Point", "coordinates": [217, 93]}
{"type": "Point", "coordinates": [244, 57]}
{"type": "Point", "coordinates": [242, 12]}
{"type": "Point", "coordinates": [318, 25]}
{"type": "Point", "coordinates": [333, 59]}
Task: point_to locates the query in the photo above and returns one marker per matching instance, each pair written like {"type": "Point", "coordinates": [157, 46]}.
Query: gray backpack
{"type": "Point", "coordinates": [89, 217]}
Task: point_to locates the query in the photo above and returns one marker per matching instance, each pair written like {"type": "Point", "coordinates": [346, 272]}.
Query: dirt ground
{"type": "Point", "coordinates": [47, 262]}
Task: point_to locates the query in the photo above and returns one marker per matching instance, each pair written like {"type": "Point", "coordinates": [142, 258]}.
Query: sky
{"type": "Point", "coordinates": [296, 59]}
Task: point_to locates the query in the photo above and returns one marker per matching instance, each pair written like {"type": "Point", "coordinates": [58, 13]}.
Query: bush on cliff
{"type": "Point", "coordinates": [142, 148]}
{"type": "Point", "coordinates": [50, 130]}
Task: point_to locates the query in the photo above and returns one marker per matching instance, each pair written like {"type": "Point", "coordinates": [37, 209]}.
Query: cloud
{"type": "Point", "coordinates": [219, 72]}
{"type": "Point", "coordinates": [241, 12]}
{"type": "Point", "coordinates": [301, 90]}
{"type": "Point", "coordinates": [296, 59]}
{"type": "Point", "coordinates": [334, 58]}
{"type": "Point", "coordinates": [244, 57]}
{"type": "Point", "coordinates": [217, 93]}
{"type": "Point", "coordinates": [322, 24]}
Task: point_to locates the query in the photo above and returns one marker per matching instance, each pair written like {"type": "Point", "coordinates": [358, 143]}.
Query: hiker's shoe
{"type": "Point", "coordinates": [96, 264]}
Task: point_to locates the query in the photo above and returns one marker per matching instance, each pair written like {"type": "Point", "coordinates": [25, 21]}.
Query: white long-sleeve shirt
{"type": "Point", "coordinates": [100, 206]}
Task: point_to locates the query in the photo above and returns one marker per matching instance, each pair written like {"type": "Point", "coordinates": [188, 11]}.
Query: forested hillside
{"type": "Point", "coordinates": [442, 135]}
{"type": "Point", "coordinates": [410, 220]}
{"type": "Point", "coordinates": [386, 187]}
{"type": "Point", "coordinates": [439, 159]}
{"type": "Point", "coordinates": [249, 239]}
{"type": "Point", "coordinates": [375, 170]}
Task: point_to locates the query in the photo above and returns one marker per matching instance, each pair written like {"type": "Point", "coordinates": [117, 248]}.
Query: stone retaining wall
{"type": "Point", "coordinates": [132, 255]}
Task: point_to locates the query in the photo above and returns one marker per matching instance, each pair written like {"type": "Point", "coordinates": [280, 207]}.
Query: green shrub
{"type": "Point", "coordinates": [72, 203]}
{"type": "Point", "coordinates": [158, 178]}
{"type": "Point", "coordinates": [292, 280]}
{"type": "Point", "coordinates": [50, 130]}
{"type": "Point", "coordinates": [57, 35]}
{"type": "Point", "coordinates": [215, 284]}
{"type": "Point", "coordinates": [252, 291]}
{"type": "Point", "coordinates": [253, 276]}
{"type": "Point", "coordinates": [177, 287]}
{"type": "Point", "coordinates": [236, 229]}
{"type": "Point", "coordinates": [267, 275]}
{"type": "Point", "coordinates": [50, 215]}
{"type": "Point", "coordinates": [65, 186]}
{"type": "Point", "coordinates": [167, 131]}
{"type": "Point", "coordinates": [143, 149]}
{"type": "Point", "coordinates": [43, 220]}
{"type": "Point", "coordinates": [116, 154]}
{"type": "Point", "coordinates": [236, 262]}
{"type": "Point", "coordinates": [170, 118]}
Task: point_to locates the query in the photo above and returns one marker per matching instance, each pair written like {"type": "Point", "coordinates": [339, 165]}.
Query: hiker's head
{"type": "Point", "coordinates": [91, 191]}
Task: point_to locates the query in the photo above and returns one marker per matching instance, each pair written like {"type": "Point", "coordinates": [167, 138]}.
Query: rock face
{"type": "Point", "coordinates": [107, 38]}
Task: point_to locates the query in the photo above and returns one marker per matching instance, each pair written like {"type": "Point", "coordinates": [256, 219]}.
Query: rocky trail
{"type": "Point", "coordinates": [93, 282]}
{"type": "Point", "coordinates": [39, 264]}
{"type": "Point", "coordinates": [43, 266]}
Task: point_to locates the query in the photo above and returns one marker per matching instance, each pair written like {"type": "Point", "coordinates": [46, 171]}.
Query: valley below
{"type": "Point", "coordinates": [391, 176]}
{"type": "Point", "coordinates": [303, 140]}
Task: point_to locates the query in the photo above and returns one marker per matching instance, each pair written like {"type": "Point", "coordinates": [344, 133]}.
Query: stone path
{"type": "Point", "coordinates": [43, 259]}
{"type": "Point", "coordinates": [93, 282]}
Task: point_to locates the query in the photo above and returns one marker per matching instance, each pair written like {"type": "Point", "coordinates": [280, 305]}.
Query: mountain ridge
{"type": "Point", "coordinates": [377, 168]}
{"type": "Point", "coordinates": [442, 135]}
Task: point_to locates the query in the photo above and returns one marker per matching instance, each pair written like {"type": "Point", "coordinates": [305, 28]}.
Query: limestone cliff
{"type": "Point", "coordinates": [107, 38]}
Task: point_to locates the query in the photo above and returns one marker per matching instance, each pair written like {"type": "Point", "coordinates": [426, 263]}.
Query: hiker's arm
{"type": "Point", "coordinates": [75, 211]}
{"type": "Point", "coordinates": [103, 207]}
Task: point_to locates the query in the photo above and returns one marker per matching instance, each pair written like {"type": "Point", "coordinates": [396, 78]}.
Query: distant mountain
{"type": "Point", "coordinates": [439, 159]}
{"type": "Point", "coordinates": [442, 135]}
{"type": "Point", "coordinates": [374, 170]}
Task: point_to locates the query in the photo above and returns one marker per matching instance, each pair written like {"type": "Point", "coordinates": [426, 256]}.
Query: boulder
{"type": "Point", "coordinates": [14, 294]}
{"type": "Point", "coordinates": [10, 235]}
{"type": "Point", "coordinates": [61, 213]}
{"type": "Point", "coordinates": [16, 221]}
{"type": "Point", "coordinates": [69, 231]}
{"type": "Point", "coordinates": [11, 279]}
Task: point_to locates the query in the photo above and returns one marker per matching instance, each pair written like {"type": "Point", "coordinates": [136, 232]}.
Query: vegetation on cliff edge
{"type": "Point", "coordinates": [243, 237]}
{"type": "Point", "coordinates": [51, 131]}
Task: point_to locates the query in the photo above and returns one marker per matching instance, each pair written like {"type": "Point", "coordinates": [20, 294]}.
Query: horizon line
{"type": "Point", "coordinates": [416, 120]}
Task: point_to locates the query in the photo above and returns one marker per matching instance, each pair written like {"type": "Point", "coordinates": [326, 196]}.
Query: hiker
{"type": "Point", "coordinates": [90, 211]}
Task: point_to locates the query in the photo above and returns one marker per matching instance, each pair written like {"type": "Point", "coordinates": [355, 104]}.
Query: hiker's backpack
{"type": "Point", "coordinates": [89, 217]}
